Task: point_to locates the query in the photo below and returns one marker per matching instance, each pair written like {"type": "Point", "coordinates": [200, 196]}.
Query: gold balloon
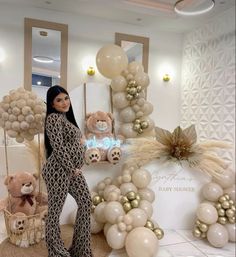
{"type": "Point", "coordinates": [133, 91]}
{"type": "Point", "coordinates": [135, 203]}
{"type": "Point", "coordinates": [203, 227]}
{"type": "Point", "coordinates": [137, 121]}
{"type": "Point", "coordinates": [222, 220]}
{"type": "Point", "coordinates": [233, 208]}
{"type": "Point", "coordinates": [129, 97]}
{"type": "Point", "coordinates": [198, 222]}
{"type": "Point", "coordinates": [158, 232]}
{"type": "Point", "coordinates": [136, 127]}
{"type": "Point", "coordinates": [232, 220]}
{"type": "Point", "coordinates": [128, 90]}
{"type": "Point", "coordinates": [124, 199]}
{"type": "Point", "coordinates": [225, 204]}
{"type": "Point", "coordinates": [230, 213]}
{"type": "Point", "coordinates": [139, 89]}
{"type": "Point", "coordinates": [231, 202]}
{"type": "Point", "coordinates": [132, 83]}
{"type": "Point", "coordinates": [222, 199]}
{"type": "Point", "coordinates": [197, 232]}
{"type": "Point", "coordinates": [149, 224]}
{"type": "Point", "coordinates": [97, 199]}
{"type": "Point", "coordinates": [203, 235]}
{"type": "Point", "coordinates": [131, 195]}
{"type": "Point", "coordinates": [144, 124]}
{"type": "Point", "coordinates": [221, 212]}
{"type": "Point", "coordinates": [138, 197]}
{"type": "Point", "coordinates": [218, 206]}
{"type": "Point", "coordinates": [226, 196]}
{"type": "Point", "coordinates": [136, 95]}
{"type": "Point", "coordinates": [127, 207]}
{"type": "Point", "coordinates": [140, 131]}
{"type": "Point", "coordinates": [93, 208]}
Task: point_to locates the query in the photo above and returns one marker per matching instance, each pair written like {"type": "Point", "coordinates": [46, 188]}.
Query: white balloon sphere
{"type": "Point", "coordinates": [207, 213]}
{"type": "Point", "coordinates": [139, 217]}
{"type": "Point", "coordinates": [127, 131]}
{"type": "Point", "coordinates": [226, 180]}
{"type": "Point", "coordinates": [141, 242]}
{"type": "Point", "coordinates": [127, 187]}
{"type": "Point", "coordinates": [135, 67]}
{"type": "Point", "coordinates": [231, 228]}
{"type": "Point", "coordinates": [231, 192]}
{"type": "Point", "coordinates": [217, 235]}
{"type": "Point", "coordinates": [112, 211]}
{"type": "Point", "coordinates": [111, 60]}
{"type": "Point", "coordinates": [212, 191]}
{"type": "Point", "coordinates": [147, 108]}
{"type": "Point", "coordinates": [106, 227]}
{"type": "Point", "coordinates": [118, 84]}
{"type": "Point", "coordinates": [95, 226]}
{"type": "Point", "coordinates": [99, 212]}
{"type": "Point", "coordinates": [119, 100]}
{"type": "Point", "coordinates": [127, 115]}
{"type": "Point", "coordinates": [141, 178]}
{"type": "Point", "coordinates": [108, 189]}
{"type": "Point", "coordinates": [147, 207]}
{"type": "Point", "coordinates": [142, 79]}
{"type": "Point", "coordinates": [116, 238]}
{"type": "Point", "coordinates": [147, 194]}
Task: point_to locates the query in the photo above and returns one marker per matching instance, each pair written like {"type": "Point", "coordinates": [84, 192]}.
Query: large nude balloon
{"type": "Point", "coordinates": [112, 211]}
{"type": "Point", "coordinates": [118, 84]}
{"type": "Point", "coordinates": [127, 187]}
{"type": "Point", "coordinates": [142, 79]}
{"type": "Point", "coordinates": [139, 217]}
{"type": "Point", "coordinates": [217, 235]}
{"type": "Point", "coordinates": [135, 67]}
{"type": "Point", "coordinates": [111, 60]}
{"type": "Point", "coordinates": [116, 238]}
{"type": "Point", "coordinates": [141, 242]}
{"type": "Point", "coordinates": [127, 115]}
{"type": "Point", "coordinates": [96, 226]}
{"type": "Point", "coordinates": [119, 100]}
{"type": "Point", "coordinates": [147, 194]}
{"type": "Point", "coordinates": [207, 213]}
{"type": "Point", "coordinates": [212, 191]}
{"type": "Point", "coordinates": [141, 178]}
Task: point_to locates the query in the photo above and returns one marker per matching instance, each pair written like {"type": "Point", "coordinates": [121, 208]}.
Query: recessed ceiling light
{"type": "Point", "coordinates": [139, 19]}
{"type": "Point", "coordinates": [182, 7]}
{"type": "Point", "coordinates": [43, 59]}
{"type": "Point", "coordinates": [48, 2]}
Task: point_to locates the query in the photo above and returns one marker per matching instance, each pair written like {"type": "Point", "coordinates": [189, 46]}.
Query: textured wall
{"type": "Point", "coordinates": [208, 81]}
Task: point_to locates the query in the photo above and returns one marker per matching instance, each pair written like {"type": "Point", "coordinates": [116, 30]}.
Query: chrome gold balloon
{"type": "Point", "coordinates": [221, 212]}
{"type": "Point", "coordinates": [144, 124]}
{"type": "Point", "coordinates": [222, 220]}
{"type": "Point", "coordinates": [124, 199]}
{"type": "Point", "coordinates": [158, 232]}
{"type": "Point", "coordinates": [149, 225]}
{"type": "Point", "coordinates": [203, 227]}
{"type": "Point", "coordinates": [97, 199]}
{"type": "Point", "coordinates": [131, 195]}
{"type": "Point", "coordinates": [197, 232]}
{"type": "Point", "coordinates": [230, 213]}
{"type": "Point", "coordinates": [127, 207]}
{"type": "Point", "coordinates": [134, 203]}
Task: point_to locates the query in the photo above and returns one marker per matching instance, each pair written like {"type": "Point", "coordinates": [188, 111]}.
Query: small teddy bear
{"type": "Point", "coordinates": [18, 224]}
{"type": "Point", "coordinates": [100, 140]}
{"type": "Point", "coordinates": [22, 195]}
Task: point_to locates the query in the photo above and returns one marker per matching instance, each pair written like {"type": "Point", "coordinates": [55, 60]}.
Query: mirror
{"type": "Point", "coordinates": [45, 55]}
{"type": "Point", "coordinates": [136, 48]}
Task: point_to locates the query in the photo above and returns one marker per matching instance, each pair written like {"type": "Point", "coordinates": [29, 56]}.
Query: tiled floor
{"type": "Point", "coordinates": [178, 243]}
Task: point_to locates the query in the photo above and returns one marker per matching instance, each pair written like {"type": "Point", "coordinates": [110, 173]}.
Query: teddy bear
{"type": "Point", "coordinates": [18, 225]}
{"type": "Point", "coordinates": [100, 140]}
{"type": "Point", "coordinates": [22, 195]}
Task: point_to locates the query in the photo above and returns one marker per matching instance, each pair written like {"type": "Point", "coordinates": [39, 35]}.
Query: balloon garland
{"type": "Point", "coordinates": [216, 215]}
{"type": "Point", "coordinates": [22, 114]}
{"type": "Point", "coordinates": [129, 82]}
{"type": "Point", "coordinates": [122, 209]}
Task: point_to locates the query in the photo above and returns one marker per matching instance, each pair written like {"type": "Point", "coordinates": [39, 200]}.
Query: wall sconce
{"type": "Point", "coordinates": [2, 55]}
{"type": "Point", "coordinates": [166, 77]}
{"type": "Point", "coordinates": [90, 71]}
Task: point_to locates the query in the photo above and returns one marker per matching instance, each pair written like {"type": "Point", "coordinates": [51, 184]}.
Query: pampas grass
{"type": "Point", "coordinates": [180, 146]}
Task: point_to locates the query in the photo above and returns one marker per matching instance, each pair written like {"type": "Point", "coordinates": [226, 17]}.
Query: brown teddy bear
{"type": "Point", "coordinates": [22, 195]}
{"type": "Point", "coordinates": [100, 139]}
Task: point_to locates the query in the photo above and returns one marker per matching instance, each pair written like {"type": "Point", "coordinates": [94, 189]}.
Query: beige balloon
{"type": "Point", "coordinates": [217, 235]}
{"type": "Point", "coordinates": [135, 67]}
{"type": "Point", "coordinates": [139, 217]}
{"type": "Point", "coordinates": [108, 189]}
{"type": "Point", "coordinates": [227, 179]}
{"type": "Point", "coordinates": [118, 84]}
{"type": "Point", "coordinates": [141, 242]}
{"type": "Point", "coordinates": [147, 207]}
{"type": "Point", "coordinates": [99, 212]}
{"type": "Point", "coordinates": [127, 131]}
{"type": "Point", "coordinates": [112, 211]}
{"type": "Point", "coordinates": [116, 238]}
{"type": "Point", "coordinates": [127, 187]}
{"type": "Point", "coordinates": [127, 115]}
{"type": "Point", "coordinates": [142, 79]}
{"type": "Point", "coordinates": [212, 191]}
{"type": "Point", "coordinates": [207, 213]}
{"type": "Point", "coordinates": [141, 178]}
{"type": "Point", "coordinates": [231, 228]}
{"type": "Point", "coordinates": [231, 192]}
{"type": "Point", "coordinates": [106, 227]}
{"type": "Point", "coordinates": [147, 194]}
{"type": "Point", "coordinates": [147, 108]}
{"type": "Point", "coordinates": [95, 226]}
{"type": "Point", "coordinates": [111, 60]}
{"type": "Point", "coordinates": [119, 100]}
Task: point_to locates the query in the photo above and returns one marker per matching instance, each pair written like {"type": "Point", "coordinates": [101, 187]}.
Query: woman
{"type": "Point", "coordinates": [62, 175]}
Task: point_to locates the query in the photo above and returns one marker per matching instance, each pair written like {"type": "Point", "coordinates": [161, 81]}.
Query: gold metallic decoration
{"type": "Point", "coordinates": [232, 220]}
{"type": "Point", "coordinates": [135, 203]}
{"type": "Point", "coordinates": [93, 208]}
{"type": "Point", "coordinates": [197, 232]}
{"type": "Point", "coordinates": [144, 124]}
{"type": "Point", "coordinates": [124, 199]}
{"type": "Point", "coordinates": [230, 213]}
{"type": "Point", "coordinates": [166, 77]}
{"type": "Point", "coordinates": [149, 224]}
{"type": "Point", "coordinates": [129, 97]}
{"type": "Point", "coordinates": [90, 71]}
{"type": "Point", "coordinates": [225, 204]}
{"type": "Point", "coordinates": [131, 195]}
{"type": "Point", "coordinates": [127, 206]}
{"type": "Point", "coordinates": [221, 212]}
{"type": "Point", "coordinates": [158, 232]}
{"type": "Point", "coordinates": [97, 199]}
{"type": "Point", "coordinates": [203, 227]}
{"type": "Point", "coordinates": [222, 220]}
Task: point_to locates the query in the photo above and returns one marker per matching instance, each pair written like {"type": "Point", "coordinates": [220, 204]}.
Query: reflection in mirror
{"type": "Point", "coordinates": [45, 55]}
{"type": "Point", "coordinates": [136, 48]}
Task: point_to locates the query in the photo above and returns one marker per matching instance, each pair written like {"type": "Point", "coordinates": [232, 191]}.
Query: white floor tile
{"type": "Point", "coordinates": [171, 237]}
{"type": "Point", "coordinates": [187, 235]}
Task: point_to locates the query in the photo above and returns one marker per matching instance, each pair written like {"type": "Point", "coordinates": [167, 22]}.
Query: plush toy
{"type": "Point", "coordinates": [22, 194]}
{"type": "Point", "coordinates": [18, 224]}
{"type": "Point", "coordinates": [100, 139]}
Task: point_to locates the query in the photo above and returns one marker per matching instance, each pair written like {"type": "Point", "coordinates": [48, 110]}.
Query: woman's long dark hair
{"type": "Point", "coordinates": [51, 94]}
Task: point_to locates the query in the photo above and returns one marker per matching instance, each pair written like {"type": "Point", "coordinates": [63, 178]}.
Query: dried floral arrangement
{"type": "Point", "coordinates": [180, 146]}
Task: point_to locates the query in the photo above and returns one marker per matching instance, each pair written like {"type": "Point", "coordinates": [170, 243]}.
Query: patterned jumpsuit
{"type": "Point", "coordinates": [67, 155]}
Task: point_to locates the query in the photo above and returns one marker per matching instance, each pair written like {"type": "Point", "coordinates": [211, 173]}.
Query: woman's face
{"type": "Point", "coordinates": [61, 103]}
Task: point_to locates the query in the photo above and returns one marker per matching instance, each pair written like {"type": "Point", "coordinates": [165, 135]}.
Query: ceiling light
{"type": "Point", "coordinates": [43, 59]}
{"type": "Point", "coordinates": [195, 8]}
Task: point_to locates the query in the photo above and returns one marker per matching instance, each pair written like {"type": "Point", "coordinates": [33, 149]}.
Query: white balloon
{"type": "Point", "coordinates": [231, 192]}
{"type": "Point", "coordinates": [127, 115]}
{"type": "Point", "coordinates": [207, 213]}
{"type": "Point", "coordinates": [118, 84]}
{"type": "Point", "coordinates": [141, 178]}
{"type": "Point", "coordinates": [231, 228]}
{"type": "Point", "coordinates": [217, 235]}
{"type": "Point", "coordinates": [135, 67]}
{"type": "Point", "coordinates": [127, 187]}
{"type": "Point", "coordinates": [147, 207]}
{"type": "Point", "coordinates": [141, 242]}
{"type": "Point", "coordinates": [147, 194]}
{"type": "Point", "coordinates": [227, 179]}
{"type": "Point", "coordinates": [119, 100]}
{"type": "Point", "coordinates": [147, 108]}
{"type": "Point", "coordinates": [212, 191]}
{"type": "Point", "coordinates": [139, 217]}
{"type": "Point", "coordinates": [106, 227]}
{"type": "Point", "coordinates": [99, 212]}
{"type": "Point", "coordinates": [142, 79]}
{"type": "Point", "coordinates": [116, 238]}
{"type": "Point", "coordinates": [112, 211]}
{"type": "Point", "coordinates": [96, 226]}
